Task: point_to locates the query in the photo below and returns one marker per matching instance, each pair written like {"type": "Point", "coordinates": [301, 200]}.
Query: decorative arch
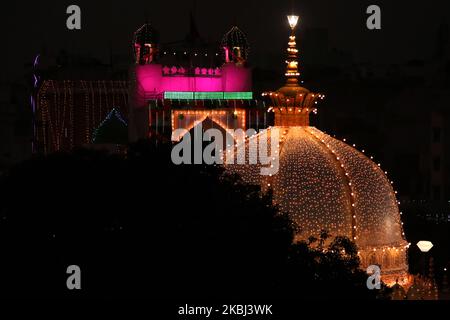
{"type": "Point", "coordinates": [225, 119]}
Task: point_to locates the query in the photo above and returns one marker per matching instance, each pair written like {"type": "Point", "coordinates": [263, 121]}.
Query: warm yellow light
{"type": "Point", "coordinates": [292, 21]}
{"type": "Point", "coordinates": [424, 246]}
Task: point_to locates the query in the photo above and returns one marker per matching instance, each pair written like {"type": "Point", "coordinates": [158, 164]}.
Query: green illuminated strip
{"type": "Point", "coordinates": [208, 95]}
{"type": "Point", "coordinates": [238, 95]}
{"type": "Point", "coordinates": [178, 95]}
{"type": "Point", "coordinates": [217, 95]}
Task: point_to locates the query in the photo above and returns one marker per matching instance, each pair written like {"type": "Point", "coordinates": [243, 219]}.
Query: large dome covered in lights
{"type": "Point", "coordinates": [324, 183]}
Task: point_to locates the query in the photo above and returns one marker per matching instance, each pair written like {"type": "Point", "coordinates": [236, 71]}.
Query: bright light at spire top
{"type": "Point", "coordinates": [292, 21]}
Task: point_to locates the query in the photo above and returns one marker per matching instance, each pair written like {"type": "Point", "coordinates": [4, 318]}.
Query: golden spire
{"type": "Point", "coordinates": [292, 73]}
{"type": "Point", "coordinates": [292, 103]}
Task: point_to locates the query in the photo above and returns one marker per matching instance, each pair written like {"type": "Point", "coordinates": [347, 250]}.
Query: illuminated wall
{"type": "Point", "coordinates": [153, 78]}
{"type": "Point", "coordinates": [200, 95]}
{"type": "Point", "coordinates": [226, 118]}
{"type": "Point", "coordinates": [68, 112]}
{"type": "Point", "coordinates": [230, 84]}
{"type": "Point", "coordinates": [236, 79]}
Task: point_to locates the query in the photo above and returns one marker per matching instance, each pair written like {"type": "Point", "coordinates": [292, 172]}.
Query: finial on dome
{"type": "Point", "coordinates": [292, 103]}
{"type": "Point", "coordinates": [292, 73]}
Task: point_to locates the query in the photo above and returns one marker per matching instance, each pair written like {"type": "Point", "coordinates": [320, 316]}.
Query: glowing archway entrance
{"type": "Point", "coordinates": [227, 119]}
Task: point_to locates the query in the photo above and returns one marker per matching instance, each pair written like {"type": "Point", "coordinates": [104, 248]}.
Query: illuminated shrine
{"type": "Point", "coordinates": [182, 85]}
{"type": "Point", "coordinates": [169, 86]}
{"type": "Point", "coordinates": [324, 183]}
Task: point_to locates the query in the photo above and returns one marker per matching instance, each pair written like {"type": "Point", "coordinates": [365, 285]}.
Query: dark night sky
{"type": "Point", "coordinates": [408, 27]}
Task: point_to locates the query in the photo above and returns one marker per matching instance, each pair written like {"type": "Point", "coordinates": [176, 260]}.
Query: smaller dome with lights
{"type": "Point", "coordinates": [145, 43]}
{"type": "Point", "coordinates": [235, 45]}
{"type": "Point", "coordinates": [146, 34]}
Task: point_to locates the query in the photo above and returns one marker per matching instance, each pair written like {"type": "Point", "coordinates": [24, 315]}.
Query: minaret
{"type": "Point", "coordinates": [145, 45]}
{"type": "Point", "coordinates": [145, 69]}
{"type": "Point", "coordinates": [292, 103]}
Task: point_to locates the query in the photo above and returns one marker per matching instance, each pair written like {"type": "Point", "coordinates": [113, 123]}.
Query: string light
{"type": "Point", "coordinates": [89, 102]}
{"type": "Point", "coordinates": [235, 44]}
{"type": "Point", "coordinates": [114, 113]}
{"type": "Point", "coordinates": [310, 187]}
{"type": "Point", "coordinates": [191, 118]}
{"type": "Point", "coordinates": [217, 95]}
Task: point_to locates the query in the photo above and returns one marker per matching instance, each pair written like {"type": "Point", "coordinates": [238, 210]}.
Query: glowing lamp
{"type": "Point", "coordinates": [292, 21]}
{"type": "Point", "coordinates": [424, 246]}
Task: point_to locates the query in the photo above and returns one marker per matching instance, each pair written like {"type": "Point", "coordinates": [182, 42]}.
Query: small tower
{"type": "Point", "coordinates": [292, 103]}
{"type": "Point", "coordinates": [145, 45]}
{"type": "Point", "coordinates": [235, 46]}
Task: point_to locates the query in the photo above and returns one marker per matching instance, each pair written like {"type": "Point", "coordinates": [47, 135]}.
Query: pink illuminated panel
{"type": "Point", "coordinates": [150, 78]}
{"type": "Point", "coordinates": [236, 79]}
{"type": "Point", "coordinates": [191, 84]}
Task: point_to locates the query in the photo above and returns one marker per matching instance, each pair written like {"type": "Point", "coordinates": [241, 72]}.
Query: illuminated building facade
{"type": "Point", "coordinates": [325, 184]}
{"type": "Point", "coordinates": [169, 86]}
{"type": "Point", "coordinates": [185, 83]}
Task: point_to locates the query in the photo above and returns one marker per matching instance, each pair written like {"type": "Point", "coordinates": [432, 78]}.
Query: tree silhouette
{"type": "Point", "coordinates": [140, 226]}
